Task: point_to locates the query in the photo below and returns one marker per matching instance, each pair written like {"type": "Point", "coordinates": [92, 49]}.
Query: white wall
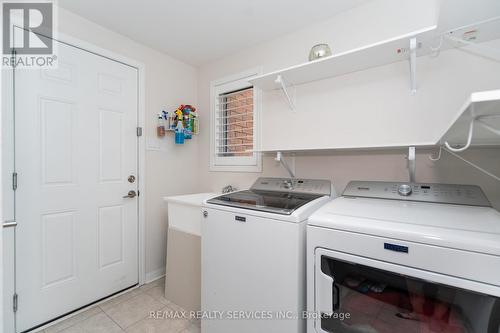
{"type": "Point", "coordinates": [443, 86]}
{"type": "Point", "coordinates": [169, 83]}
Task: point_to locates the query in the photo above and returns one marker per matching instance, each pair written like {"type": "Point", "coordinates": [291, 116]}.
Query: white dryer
{"type": "Point", "coordinates": [388, 257]}
{"type": "Point", "coordinates": [254, 256]}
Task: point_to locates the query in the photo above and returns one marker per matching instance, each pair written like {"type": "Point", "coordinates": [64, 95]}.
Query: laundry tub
{"type": "Point", "coordinates": [183, 266]}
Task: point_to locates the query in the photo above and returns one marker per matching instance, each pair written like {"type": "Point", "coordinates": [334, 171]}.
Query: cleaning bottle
{"type": "Point", "coordinates": [194, 122]}
{"type": "Point", "coordinates": [188, 131]}
{"type": "Point", "coordinates": [179, 133]}
{"type": "Point", "coordinates": [166, 119]}
{"type": "Point", "coordinates": [160, 128]}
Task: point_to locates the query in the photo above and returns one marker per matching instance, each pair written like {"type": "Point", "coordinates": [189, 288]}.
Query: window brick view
{"type": "Point", "coordinates": [237, 118]}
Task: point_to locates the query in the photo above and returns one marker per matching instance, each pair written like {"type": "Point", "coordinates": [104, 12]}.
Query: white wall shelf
{"type": "Point", "coordinates": [404, 47]}
{"type": "Point", "coordinates": [473, 37]}
{"type": "Point", "coordinates": [481, 108]}
{"type": "Point", "coordinates": [388, 51]}
{"type": "Point", "coordinates": [329, 150]}
{"type": "Point", "coordinates": [479, 38]}
{"type": "Point", "coordinates": [477, 123]}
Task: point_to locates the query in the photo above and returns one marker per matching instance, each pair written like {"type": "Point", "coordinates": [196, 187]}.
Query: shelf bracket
{"type": "Point", "coordinates": [475, 120]}
{"type": "Point", "coordinates": [469, 135]}
{"type": "Point", "coordinates": [411, 164]}
{"type": "Point", "coordinates": [279, 158]}
{"type": "Point", "coordinates": [279, 80]}
{"type": "Point", "coordinates": [468, 142]}
{"type": "Point", "coordinates": [413, 65]}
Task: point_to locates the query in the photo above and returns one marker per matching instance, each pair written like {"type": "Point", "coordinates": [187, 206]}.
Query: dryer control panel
{"type": "Point", "coordinates": [469, 195]}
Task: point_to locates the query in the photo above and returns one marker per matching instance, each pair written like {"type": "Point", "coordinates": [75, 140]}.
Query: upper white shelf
{"type": "Point", "coordinates": [373, 55]}
{"type": "Point", "coordinates": [482, 109]}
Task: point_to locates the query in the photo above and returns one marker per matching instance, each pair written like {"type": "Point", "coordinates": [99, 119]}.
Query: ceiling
{"type": "Point", "coordinates": [200, 31]}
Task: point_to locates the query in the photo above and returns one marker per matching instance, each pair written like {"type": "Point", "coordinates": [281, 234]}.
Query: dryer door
{"type": "Point", "coordinates": [353, 296]}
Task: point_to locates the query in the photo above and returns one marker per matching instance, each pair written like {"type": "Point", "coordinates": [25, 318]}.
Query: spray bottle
{"type": "Point", "coordinates": [160, 128]}
{"type": "Point", "coordinates": [179, 132]}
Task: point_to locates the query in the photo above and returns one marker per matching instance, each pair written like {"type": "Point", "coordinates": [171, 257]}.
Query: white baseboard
{"type": "Point", "coordinates": [155, 275]}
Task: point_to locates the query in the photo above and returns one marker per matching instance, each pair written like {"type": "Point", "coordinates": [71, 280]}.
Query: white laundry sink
{"type": "Point", "coordinates": [184, 212]}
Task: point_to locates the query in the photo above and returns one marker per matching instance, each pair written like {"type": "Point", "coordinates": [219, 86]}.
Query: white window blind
{"type": "Point", "coordinates": [235, 114]}
{"type": "Point", "coordinates": [234, 123]}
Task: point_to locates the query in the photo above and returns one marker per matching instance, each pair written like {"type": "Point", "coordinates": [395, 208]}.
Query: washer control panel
{"type": "Point", "coordinates": [294, 185]}
{"type": "Point", "coordinates": [438, 193]}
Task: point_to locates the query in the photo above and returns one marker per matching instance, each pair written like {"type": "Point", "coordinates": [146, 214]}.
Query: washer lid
{"type": "Point", "coordinates": [268, 201]}
{"type": "Point", "coordinates": [456, 226]}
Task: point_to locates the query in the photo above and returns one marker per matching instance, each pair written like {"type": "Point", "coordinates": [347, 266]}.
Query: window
{"type": "Point", "coordinates": [235, 119]}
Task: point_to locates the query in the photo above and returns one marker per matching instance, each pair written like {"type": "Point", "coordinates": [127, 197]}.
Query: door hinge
{"type": "Point", "coordinates": [139, 131]}
{"type": "Point", "coordinates": [14, 181]}
{"type": "Point", "coordinates": [14, 303]}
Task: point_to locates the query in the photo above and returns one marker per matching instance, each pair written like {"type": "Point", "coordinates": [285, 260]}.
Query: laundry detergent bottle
{"type": "Point", "coordinates": [179, 133]}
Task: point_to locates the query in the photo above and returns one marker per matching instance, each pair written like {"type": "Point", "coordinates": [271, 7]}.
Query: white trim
{"type": "Point", "coordinates": [141, 71]}
{"type": "Point", "coordinates": [237, 164]}
{"type": "Point", "coordinates": [155, 275]}
{"type": "Point", "coordinates": [1, 193]}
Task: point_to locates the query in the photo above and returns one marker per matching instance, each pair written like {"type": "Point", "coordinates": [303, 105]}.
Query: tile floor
{"type": "Point", "coordinates": [129, 312]}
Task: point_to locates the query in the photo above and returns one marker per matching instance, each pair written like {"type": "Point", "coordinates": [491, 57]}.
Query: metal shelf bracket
{"type": "Point", "coordinates": [411, 164]}
{"type": "Point", "coordinates": [413, 65]}
{"type": "Point", "coordinates": [279, 80]}
{"type": "Point", "coordinates": [479, 120]}
{"type": "Point", "coordinates": [279, 158]}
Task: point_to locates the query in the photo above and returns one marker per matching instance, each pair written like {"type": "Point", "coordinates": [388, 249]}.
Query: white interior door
{"type": "Point", "coordinates": [76, 146]}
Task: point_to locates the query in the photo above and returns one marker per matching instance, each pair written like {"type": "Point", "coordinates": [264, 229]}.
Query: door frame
{"type": "Point", "coordinates": [141, 153]}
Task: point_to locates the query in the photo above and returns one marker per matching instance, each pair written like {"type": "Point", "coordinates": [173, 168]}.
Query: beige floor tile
{"type": "Point", "coordinates": [100, 323]}
{"type": "Point", "coordinates": [134, 309]}
{"type": "Point", "coordinates": [155, 283]}
{"type": "Point", "coordinates": [159, 325]}
{"type": "Point", "coordinates": [119, 299]}
{"type": "Point", "coordinates": [158, 293]}
{"type": "Point", "coordinates": [73, 320]}
{"type": "Point", "coordinates": [196, 322]}
{"type": "Point", "coordinates": [174, 306]}
{"type": "Point", "coordinates": [192, 328]}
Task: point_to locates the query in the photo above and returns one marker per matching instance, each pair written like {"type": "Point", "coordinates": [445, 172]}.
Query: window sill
{"type": "Point", "coordinates": [236, 168]}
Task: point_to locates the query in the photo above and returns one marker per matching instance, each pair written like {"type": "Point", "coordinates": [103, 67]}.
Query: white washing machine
{"type": "Point", "coordinates": [253, 256]}
{"type": "Point", "coordinates": [389, 257]}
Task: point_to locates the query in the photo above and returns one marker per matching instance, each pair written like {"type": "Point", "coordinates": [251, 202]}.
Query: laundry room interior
{"type": "Point", "coordinates": [250, 166]}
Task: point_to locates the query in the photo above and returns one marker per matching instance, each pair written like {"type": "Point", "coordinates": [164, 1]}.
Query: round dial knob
{"type": "Point", "coordinates": [404, 189]}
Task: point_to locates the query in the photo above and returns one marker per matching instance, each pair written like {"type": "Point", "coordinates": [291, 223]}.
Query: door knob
{"type": "Point", "coordinates": [130, 194]}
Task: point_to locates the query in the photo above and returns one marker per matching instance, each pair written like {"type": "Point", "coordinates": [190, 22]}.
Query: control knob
{"type": "Point", "coordinates": [404, 190]}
